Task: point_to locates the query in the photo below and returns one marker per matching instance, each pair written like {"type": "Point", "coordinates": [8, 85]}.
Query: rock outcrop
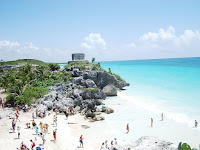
{"type": "Point", "coordinates": [102, 78]}
{"type": "Point", "coordinates": [148, 143]}
{"type": "Point", "coordinates": [110, 90]}
{"type": "Point", "coordinates": [85, 92]}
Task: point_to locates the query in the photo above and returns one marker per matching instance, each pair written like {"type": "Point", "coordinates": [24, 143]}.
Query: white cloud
{"type": "Point", "coordinates": [94, 40]}
{"type": "Point", "coordinates": [14, 50]}
{"type": "Point", "coordinates": [132, 45]}
{"type": "Point", "coordinates": [167, 39]}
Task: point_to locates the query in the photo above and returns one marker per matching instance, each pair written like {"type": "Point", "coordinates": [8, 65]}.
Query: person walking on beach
{"type": "Point", "coordinates": [18, 129]}
{"type": "Point", "coordinates": [81, 141]}
{"type": "Point", "coordinates": [13, 125]}
{"type": "Point", "coordinates": [0, 102]}
{"type": "Point", "coordinates": [32, 145]}
{"type": "Point", "coordinates": [54, 134]}
{"type": "Point", "coordinates": [36, 113]}
{"type": "Point", "coordinates": [55, 120]}
{"type": "Point", "coordinates": [196, 124]}
{"type": "Point", "coordinates": [151, 122]}
{"type": "Point", "coordinates": [162, 116]}
{"type": "Point", "coordinates": [127, 128]}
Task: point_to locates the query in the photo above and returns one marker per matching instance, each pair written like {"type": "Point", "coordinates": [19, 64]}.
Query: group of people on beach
{"type": "Point", "coordinates": [112, 146]}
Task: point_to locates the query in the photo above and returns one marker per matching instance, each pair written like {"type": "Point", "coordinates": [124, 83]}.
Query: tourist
{"type": "Point", "coordinates": [33, 116]}
{"type": "Point", "coordinates": [115, 141]}
{"type": "Point", "coordinates": [13, 125]}
{"type": "Point", "coordinates": [81, 141]}
{"type": "Point", "coordinates": [36, 113]}
{"type": "Point", "coordinates": [55, 120]}
{"type": "Point", "coordinates": [28, 125]}
{"type": "Point", "coordinates": [17, 116]}
{"type": "Point", "coordinates": [54, 134]}
{"type": "Point", "coordinates": [56, 112]}
{"type": "Point", "coordinates": [33, 124]}
{"type": "Point", "coordinates": [102, 146]}
{"type": "Point", "coordinates": [32, 145]}
{"type": "Point", "coordinates": [0, 102]}
{"type": "Point", "coordinates": [151, 122]}
{"type": "Point", "coordinates": [196, 124]}
{"type": "Point", "coordinates": [26, 107]}
{"type": "Point", "coordinates": [18, 129]}
{"type": "Point", "coordinates": [3, 102]}
{"type": "Point", "coordinates": [36, 129]}
{"type": "Point", "coordinates": [17, 110]}
{"type": "Point", "coordinates": [127, 128]}
{"type": "Point", "coordinates": [162, 116]}
{"type": "Point", "coordinates": [41, 127]}
{"type": "Point", "coordinates": [43, 138]}
{"type": "Point", "coordinates": [106, 144]}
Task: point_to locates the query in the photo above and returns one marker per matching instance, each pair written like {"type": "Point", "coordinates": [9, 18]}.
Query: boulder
{"type": "Point", "coordinates": [77, 108]}
{"type": "Point", "coordinates": [85, 126]}
{"type": "Point", "coordinates": [107, 109]}
{"type": "Point", "coordinates": [103, 78]}
{"type": "Point", "coordinates": [75, 73]}
{"type": "Point", "coordinates": [99, 118]}
{"type": "Point", "coordinates": [90, 83]}
{"type": "Point", "coordinates": [110, 90]}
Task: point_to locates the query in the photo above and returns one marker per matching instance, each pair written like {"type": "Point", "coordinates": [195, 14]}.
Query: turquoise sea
{"type": "Point", "coordinates": [171, 85]}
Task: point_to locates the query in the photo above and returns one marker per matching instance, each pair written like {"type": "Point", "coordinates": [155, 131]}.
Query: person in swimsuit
{"type": "Point", "coordinates": [127, 128]}
{"type": "Point", "coordinates": [81, 141]}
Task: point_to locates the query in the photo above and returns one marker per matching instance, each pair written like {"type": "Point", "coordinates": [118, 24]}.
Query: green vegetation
{"type": "Point", "coordinates": [24, 61]}
{"type": "Point", "coordinates": [81, 65]}
{"type": "Point", "coordinates": [54, 67]}
{"type": "Point", "coordinates": [93, 60]}
{"type": "Point", "coordinates": [28, 83]}
{"type": "Point", "coordinates": [93, 90]}
{"type": "Point", "coordinates": [185, 146]}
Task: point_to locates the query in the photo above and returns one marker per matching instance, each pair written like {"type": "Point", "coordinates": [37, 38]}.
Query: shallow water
{"type": "Point", "coordinates": [162, 85]}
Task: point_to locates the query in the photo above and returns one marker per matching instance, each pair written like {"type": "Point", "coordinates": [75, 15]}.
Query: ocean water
{"type": "Point", "coordinates": [169, 86]}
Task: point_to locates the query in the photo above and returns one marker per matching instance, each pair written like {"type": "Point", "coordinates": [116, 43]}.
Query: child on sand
{"type": "Point", "coordinates": [81, 141]}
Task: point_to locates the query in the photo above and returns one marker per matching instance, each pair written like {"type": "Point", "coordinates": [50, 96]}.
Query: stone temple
{"type": "Point", "coordinates": [77, 57]}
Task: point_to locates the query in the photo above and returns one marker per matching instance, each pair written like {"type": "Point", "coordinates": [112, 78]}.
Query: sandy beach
{"type": "Point", "coordinates": [68, 134]}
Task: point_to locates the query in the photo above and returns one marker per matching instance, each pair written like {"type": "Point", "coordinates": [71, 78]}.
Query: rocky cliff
{"type": "Point", "coordinates": [86, 90]}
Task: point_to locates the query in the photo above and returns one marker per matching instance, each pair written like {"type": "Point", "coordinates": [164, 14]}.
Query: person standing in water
{"type": "Point", "coordinates": [127, 128]}
{"type": "Point", "coordinates": [151, 122]}
{"type": "Point", "coordinates": [196, 124]}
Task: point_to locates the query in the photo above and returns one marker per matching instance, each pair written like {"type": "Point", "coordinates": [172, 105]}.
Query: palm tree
{"type": "Point", "coordinates": [93, 60]}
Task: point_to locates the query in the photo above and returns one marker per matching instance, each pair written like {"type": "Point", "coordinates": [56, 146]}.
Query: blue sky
{"type": "Point", "coordinates": [106, 29]}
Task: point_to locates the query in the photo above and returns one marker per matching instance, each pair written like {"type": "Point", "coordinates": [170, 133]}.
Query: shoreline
{"type": "Point", "coordinates": [108, 129]}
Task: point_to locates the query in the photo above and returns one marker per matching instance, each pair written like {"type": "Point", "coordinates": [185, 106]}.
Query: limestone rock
{"type": "Point", "coordinates": [85, 126]}
{"type": "Point", "coordinates": [110, 90]}
{"type": "Point", "coordinates": [99, 118]}
{"type": "Point", "coordinates": [107, 109]}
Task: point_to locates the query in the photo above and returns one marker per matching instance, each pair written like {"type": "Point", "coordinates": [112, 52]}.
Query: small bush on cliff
{"type": "Point", "coordinates": [54, 67]}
